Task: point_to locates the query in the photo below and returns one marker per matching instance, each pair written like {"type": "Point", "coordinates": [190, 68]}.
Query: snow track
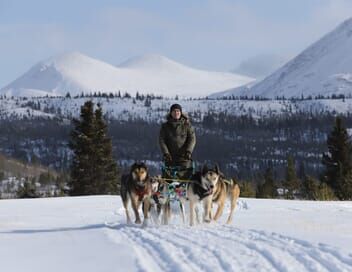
{"type": "Point", "coordinates": [225, 248]}
{"type": "Point", "coordinates": [68, 234]}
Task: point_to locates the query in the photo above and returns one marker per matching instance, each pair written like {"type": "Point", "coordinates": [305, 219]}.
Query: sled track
{"type": "Point", "coordinates": [225, 248]}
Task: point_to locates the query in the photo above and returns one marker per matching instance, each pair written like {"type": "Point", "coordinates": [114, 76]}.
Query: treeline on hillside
{"type": "Point", "coordinates": [266, 153]}
{"type": "Point", "coordinates": [335, 181]}
{"type": "Point", "coordinates": [243, 146]}
{"type": "Point", "coordinates": [29, 180]}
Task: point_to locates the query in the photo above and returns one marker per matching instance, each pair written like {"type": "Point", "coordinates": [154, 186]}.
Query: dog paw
{"type": "Point", "coordinates": [207, 220]}
{"type": "Point", "coordinates": [145, 223]}
{"type": "Point", "coordinates": [138, 221]}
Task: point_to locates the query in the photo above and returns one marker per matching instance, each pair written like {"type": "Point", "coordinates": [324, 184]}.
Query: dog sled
{"type": "Point", "coordinates": [166, 195]}
{"type": "Point", "coordinates": [172, 191]}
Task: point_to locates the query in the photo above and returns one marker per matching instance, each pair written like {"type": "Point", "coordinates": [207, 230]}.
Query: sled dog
{"type": "Point", "coordinates": [137, 187]}
{"type": "Point", "coordinates": [210, 187]}
{"type": "Point", "coordinates": [171, 193]}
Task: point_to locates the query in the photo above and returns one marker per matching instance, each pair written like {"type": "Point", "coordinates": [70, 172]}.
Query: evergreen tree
{"type": "Point", "coordinates": [344, 186]}
{"type": "Point", "coordinates": [83, 153]}
{"type": "Point", "coordinates": [337, 161]}
{"type": "Point", "coordinates": [291, 182]}
{"type": "Point", "coordinates": [148, 101]}
{"type": "Point", "coordinates": [93, 170]}
{"type": "Point", "coordinates": [268, 188]}
{"type": "Point", "coordinates": [302, 172]}
{"type": "Point", "coordinates": [310, 188]}
{"type": "Point", "coordinates": [247, 189]}
{"type": "Point", "coordinates": [28, 190]}
{"type": "Point", "coordinates": [325, 192]}
{"type": "Point", "coordinates": [106, 168]}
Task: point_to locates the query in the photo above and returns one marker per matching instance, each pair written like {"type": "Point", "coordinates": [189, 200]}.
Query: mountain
{"type": "Point", "coordinates": [76, 73]}
{"type": "Point", "coordinates": [324, 68]}
{"type": "Point", "coordinates": [260, 66]}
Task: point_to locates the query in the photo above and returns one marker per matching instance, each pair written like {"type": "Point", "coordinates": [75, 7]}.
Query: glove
{"type": "Point", "coordinates": [188, 155]}
{"type": "Point", "coordinates": [167, 158]}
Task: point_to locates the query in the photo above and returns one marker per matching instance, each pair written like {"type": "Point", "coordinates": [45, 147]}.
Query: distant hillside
{"type": "Point", "coordinates": [324, 68]}
{"type": "Point", "coordinates": [10, 166]}
{"type": "Point", "coordinates": [14, 174]}
{"type": "Point", "coordinates": [76, 73]}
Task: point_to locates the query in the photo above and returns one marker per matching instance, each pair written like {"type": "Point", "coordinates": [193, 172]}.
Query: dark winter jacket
{"type": "Point", "coordinates": [176, 138]}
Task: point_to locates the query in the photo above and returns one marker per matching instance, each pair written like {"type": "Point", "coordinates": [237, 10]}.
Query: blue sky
{"type": "Point", "coordinates": [214, 35]}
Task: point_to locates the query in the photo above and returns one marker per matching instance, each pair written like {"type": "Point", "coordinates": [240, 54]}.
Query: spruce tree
{"type": "Point", "coordinates": [28, 190]}
{"type": "Point", "coordinates": [106, 168]}
{"type": "Point", "coordinates": [268, 188]}
{"type": "Point", "coordinates": [344, 186]}
{"type": "Point", "coordinates": [93, 170]}
{"type": "Point", "coordinates": [337, 161]}
{"type": "Point", "coordinates": [247, 189]}
{"type": "Point", "coordinates": [291, 182]}
{"type": "Point", "coordinates": [310, 188]}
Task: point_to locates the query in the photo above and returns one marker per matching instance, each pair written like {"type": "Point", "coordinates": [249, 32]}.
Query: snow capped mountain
{"type": "Point", "coordinates": [324, 68]}
{"type": "Point", "coordinates": [153, 62]}
{"type": "Point", "coordinates": [77, 73]}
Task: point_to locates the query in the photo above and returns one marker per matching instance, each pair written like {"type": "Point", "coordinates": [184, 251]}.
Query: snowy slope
{"type": "Point", "coordinates": [77, 73]}
{"type": "Point", "coordinates": [70, 234]}
{"type": "Point", "coordinates": [324, 68]}
{"type": "Point", "coordinates": [127, 109]}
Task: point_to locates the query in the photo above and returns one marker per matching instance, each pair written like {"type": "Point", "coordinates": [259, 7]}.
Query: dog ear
{"type": "Point", "coordinates": [134, 166]}
{"type": "Point", "coordinates": [204, 169]}
{"type": "Point", "coordinates": [217, 170]}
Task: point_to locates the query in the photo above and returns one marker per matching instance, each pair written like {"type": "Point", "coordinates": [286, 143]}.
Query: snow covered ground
{"type": "Point", "coordinates": [71, 234]}
{"type": "Point", "coordinates": [130, 109]}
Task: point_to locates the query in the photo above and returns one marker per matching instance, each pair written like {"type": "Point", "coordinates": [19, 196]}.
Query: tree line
{"type": "Point", "coordinates": [93, 170]}
{"type": "Point", "coordinates": [334, 182]}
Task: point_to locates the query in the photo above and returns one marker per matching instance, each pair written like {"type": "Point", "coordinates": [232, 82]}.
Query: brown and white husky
{"type": "Point", "coordinates": [210, 187]}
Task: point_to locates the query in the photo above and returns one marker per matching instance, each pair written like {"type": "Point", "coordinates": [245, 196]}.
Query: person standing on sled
{"type": "Point", "coordinates": [177, 140]}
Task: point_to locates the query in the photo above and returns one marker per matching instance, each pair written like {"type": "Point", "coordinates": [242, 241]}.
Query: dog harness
{"type": "Point", "coordinates": [201, 192]}
{"type": "Point", "coordinates": [141, 192]}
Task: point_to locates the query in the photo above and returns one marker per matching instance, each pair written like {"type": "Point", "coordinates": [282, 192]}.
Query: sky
{"type": "Point", "coordinates": [246, 36]}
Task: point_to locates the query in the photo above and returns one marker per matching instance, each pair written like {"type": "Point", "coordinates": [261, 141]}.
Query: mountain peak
{"type": "Point", "coordinates": [324, 68]}
{"type": "Point", "coordinates": [151, 61]}
{"type": "Point", "coordinates": [69, 59]}
{"type": "Point", "coordinates": [76, 73]}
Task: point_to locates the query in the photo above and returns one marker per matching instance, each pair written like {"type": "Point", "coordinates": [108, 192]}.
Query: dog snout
{"type": "Point", "coordinates": [211, 186]}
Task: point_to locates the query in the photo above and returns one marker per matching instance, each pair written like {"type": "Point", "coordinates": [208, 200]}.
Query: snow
{"type": "Point", "coordinates": [324, 68]}
{"type": "Point", "coordinates": [76, 73]}
{"type": "Point", "coordinates": [71, 234]}
{"type": "Point", "coordinates": [125, 109]}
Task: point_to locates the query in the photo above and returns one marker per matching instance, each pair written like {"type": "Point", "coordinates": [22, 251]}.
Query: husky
{"type": "Point", "coordinates": [171, 194]}
{"type": "Point", "coordinates": [211, 187]}
{"type": "Point", "coordinates": [138, 188]}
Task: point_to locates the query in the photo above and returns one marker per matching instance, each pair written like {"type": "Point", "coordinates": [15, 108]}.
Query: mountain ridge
{"type": "Point", "coordinates": [76, 73]}
{"type": "Point", "coordinates": [324, 68]}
